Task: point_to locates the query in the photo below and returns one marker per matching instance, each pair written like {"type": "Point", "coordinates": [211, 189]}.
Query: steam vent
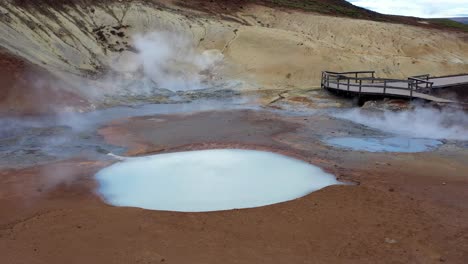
{"type": "Point", "coordinates": [168, 131]}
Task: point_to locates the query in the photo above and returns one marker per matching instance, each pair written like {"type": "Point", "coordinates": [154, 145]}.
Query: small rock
{"type": "Point", "coordinates": [390, 241]}
{"type": "Point", "coordinates": [391, 190]}
{"type": "Point", "coordinates": [101, 150]}
{"type": "Point", "coordinates": [444, 183]}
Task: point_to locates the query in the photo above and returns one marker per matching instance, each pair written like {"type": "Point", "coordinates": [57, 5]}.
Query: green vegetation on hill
{"type": "Point", "coordinates": [463, 20]}
{"type": "Point", "coordinates": [326, 7]}
{"type": "Point", "coordinates": [330, 7]}
{"type": "Point", "coordinates": [448, 23]}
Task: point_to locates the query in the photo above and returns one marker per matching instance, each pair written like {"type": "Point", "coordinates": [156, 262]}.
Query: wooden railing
{"type": "Point", "coordinates": [415, 83]}
{"type": "Point", "coordinates": [344, 81]}
{"type": "Point", "coordinates": [422, 77]}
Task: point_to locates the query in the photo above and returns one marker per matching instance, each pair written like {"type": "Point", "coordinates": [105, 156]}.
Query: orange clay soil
{"type": "Point", "coordinates": [407, 208]}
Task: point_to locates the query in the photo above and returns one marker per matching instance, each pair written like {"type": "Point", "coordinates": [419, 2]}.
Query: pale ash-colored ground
{"type": "Point", "coordinates": [264, 47]}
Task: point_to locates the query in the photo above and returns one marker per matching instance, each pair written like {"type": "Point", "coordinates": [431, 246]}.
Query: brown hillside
{"type": "Point", "coordinates": [27, 89]}
{"type": "Point", "coordinates": [327, 7]}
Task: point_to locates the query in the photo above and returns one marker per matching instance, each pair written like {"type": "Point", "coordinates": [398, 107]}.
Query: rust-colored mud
{"type": "Point", "coordinates": [406, 208]}
{"type": "Point", "coordinates": [27, 89]}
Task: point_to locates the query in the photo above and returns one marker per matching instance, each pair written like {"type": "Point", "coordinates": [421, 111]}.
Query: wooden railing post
{"type": "Point", "coordinates": [373, 77]}
{"type": "Point", "coordinates": [384, 86]}
{"type": "Point", "coordinates": [348, 84]}
{"type": "Point", "coordinates": [409, 85]}
{"type": "Point", "coordinates": [360, 87]}
{"type": "Point", "coordinates": [321, 81]}
{"type": "Point", "coordinates": [411, 90]}
{"type": "Point", "coordinates": [356, 77]}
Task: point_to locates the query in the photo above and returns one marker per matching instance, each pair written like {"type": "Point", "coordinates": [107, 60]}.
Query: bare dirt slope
{"type": "Point", "coordinates": [273, 47]}
{"type": "Point", "coordinates": [30, 90]}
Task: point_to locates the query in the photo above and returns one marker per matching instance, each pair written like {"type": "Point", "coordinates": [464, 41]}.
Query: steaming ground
{"type": "Point", "coordinates": [400, 207]}
{"type": "Point", "coordinates": [163, 64]}
{"type": "Point", "coordinates": [162, 67]}
{"type": "Point", "coordinates": [93, 55]}
{"type": "Point", "coordinates": [36, 140]}
{"type": "Point", "coordinates": [422, 122]}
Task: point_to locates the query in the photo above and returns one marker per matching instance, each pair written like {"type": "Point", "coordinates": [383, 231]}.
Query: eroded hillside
{"type": "Point", "coordinates": [250, 47]}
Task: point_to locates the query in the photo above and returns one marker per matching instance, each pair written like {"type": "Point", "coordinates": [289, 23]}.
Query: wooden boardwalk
{"type": "Point", "coordinates": [365, 83]}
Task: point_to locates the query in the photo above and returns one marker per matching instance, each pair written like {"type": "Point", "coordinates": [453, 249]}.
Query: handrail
{"type": "Point", "coordinates": [448, 76]}
{"type": "Point", "coordinates": [419, 80]}
{"type": "Point", "coordinates": [412, 81]}
{"type": "Point", "coordinates": [425, 76]}
{"type": "Point", "coordinates": [372, 79]}
{"type": "Point", "coordinates": [337, 76]}
{"type": "Point", "coordinates": [414, 86]}
{"type": "Point", "coordinates": [351, 72]}
{"type": "Point", "coordinates": [340, 76]}
{"type": "Point", "coordinates": [373, 86]}
{"type": "Point", "coordinates": [411, 84]}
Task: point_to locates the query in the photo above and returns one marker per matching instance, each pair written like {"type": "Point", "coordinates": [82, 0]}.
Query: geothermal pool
{"type": "Point", "coordinates": [209, 180]}
{"type": "Point", "coordinates": [392, 144]}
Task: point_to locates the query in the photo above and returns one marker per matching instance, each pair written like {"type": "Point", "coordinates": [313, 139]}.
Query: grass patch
{"type": "Point", "coordinates": [330, 7]}
{"type": "Point", "coordinates": [448, 23]}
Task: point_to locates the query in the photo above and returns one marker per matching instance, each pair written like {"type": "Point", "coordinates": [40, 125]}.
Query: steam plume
{"type": "Point", "coordinates": [420, 122]}
{"type": "Point", "coordinates": [163, 61]}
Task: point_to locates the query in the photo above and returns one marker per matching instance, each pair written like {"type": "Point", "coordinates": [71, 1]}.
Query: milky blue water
{"type": "Point", "coordinates": [209, 180]}
{"type": "Point", "coordinates": [392, 144]}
